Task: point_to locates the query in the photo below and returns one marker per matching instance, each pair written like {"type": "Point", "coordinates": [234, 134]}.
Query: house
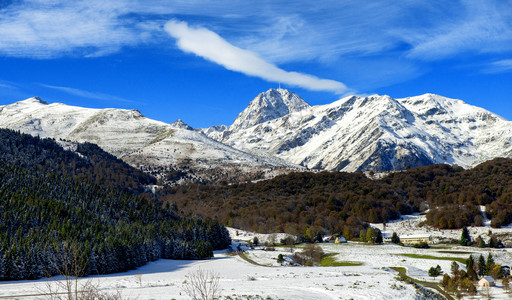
{"type": "Point", "coordinates": [330, 239]}
{"type": "Point", "coordinates": [487, 281]}
{"type": "Point", "coordinates": [416, 239]}
{"type": "Point", "coordinates": [340, 240]}
{"type": "Point", "coordinates": [335, 239]}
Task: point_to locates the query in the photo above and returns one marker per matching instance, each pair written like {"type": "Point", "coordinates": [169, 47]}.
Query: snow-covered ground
{"type": "Point", "coordinates": [163, 280]}
{"type": "Point", "coordinates": [373, 279]}
{"type": "Point", "coordinates": [410, 225]}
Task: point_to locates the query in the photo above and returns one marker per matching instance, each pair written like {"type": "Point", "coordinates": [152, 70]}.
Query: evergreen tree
{"type": "Point", "coordinates": [378, 238]}
{"type": "Point", "coordinates": [470, 267]}
{"type": "Point", "coordinates": [489, 264]}
{"type": "Point", "coordinates": [481, 266]}
{"type": "Point", "coordinates": [492, 242]}
{"type": "Point", "coordinates": [395, 239]}
{"type": "Point", "coordinates": [280, 258]}
{"type": "Point", "coordinates": [2, 266]}
{"type": "Point", "coordinates": [465, 239]}
{"type": "Point", "coordinates": [481, 243]}
{"type": "Point", "coordinates": [434, 272]}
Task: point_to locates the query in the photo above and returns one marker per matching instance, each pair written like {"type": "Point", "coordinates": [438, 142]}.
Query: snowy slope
{"type": "Point", "coordinates": [372, 133]}
{"type": "Point", "coordinates": [273, 104]}
{"type": "Point", "coordinates": [279, 129]}
{"type": "Point", "coordinates": [129, 135]}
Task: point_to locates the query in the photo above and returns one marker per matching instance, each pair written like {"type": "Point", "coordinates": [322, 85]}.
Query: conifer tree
{"type": "Point", "coordinates": [470, 265]}
{"type": "Point", "coordinates": [465, 239]}
{"type": "Point", "coordinates": [395, 239]}
{"type": "Point", "coordinates": [378, 238]}
{"type": "Point", "coordinates": [481, 265]}
{"type": "Point", "coordinates": [492, 242]}
{"type": "Point", "coordinates": [489, 263]}
{"type": "Point", "coordinates": [481, 243]}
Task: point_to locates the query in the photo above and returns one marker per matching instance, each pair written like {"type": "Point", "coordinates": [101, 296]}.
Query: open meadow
{"type": "Point", "coordinates": [351, 270]}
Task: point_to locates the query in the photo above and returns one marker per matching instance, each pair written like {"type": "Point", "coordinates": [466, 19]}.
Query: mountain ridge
{"type": "Point", "coordinates": [376, 133]}
{"type": "Point", "coordinates": [142, 142]}
{"type": "Point", "coordinates": [280, 130]}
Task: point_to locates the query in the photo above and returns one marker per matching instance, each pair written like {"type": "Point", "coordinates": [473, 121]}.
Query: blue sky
{"type": "Point", "coordinates": [203, 61]}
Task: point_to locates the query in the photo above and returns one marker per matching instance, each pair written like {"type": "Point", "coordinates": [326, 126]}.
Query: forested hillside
{"type": "Point", "coordinates": [51, 208]}
{"type": "Point", "coordinates": [308, 203]}
{"type": "Point", "coordinates": [91, 163]}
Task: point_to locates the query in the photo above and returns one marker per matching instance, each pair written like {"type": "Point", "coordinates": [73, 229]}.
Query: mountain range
{"type": "Point", "coordinates": [372, 133]}
{"type": "Point", "coordinates": [279, 132]}
{"type": "Point", "coordinates": [153, 146]}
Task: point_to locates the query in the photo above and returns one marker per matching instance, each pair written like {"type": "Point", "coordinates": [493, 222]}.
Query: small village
{"type": "Point", "coordinates": [490, 269]}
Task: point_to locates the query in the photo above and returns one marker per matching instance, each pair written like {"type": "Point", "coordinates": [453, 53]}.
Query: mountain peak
{"type": "Point", "coordinates": [269, 105]}
{"type": "Point", "coordinates": [34, 100]}
{"type": "Point", "coordinates": [180, 124]}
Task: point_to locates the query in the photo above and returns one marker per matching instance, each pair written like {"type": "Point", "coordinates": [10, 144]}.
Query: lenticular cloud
{"type": "Point", "coordinates": [209, 45]}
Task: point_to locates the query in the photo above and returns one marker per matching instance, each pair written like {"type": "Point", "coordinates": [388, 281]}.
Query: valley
{"type": "Point", "coordinates": [255, 150]}
{"type": "Point", "coordinates": [360, 168]}
{"type": "Point", "coordinates": [364, 271]}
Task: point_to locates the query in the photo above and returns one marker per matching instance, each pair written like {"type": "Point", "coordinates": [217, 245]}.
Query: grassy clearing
{"type": "Point", "coordinates": [458, 259]}
{"type": "Point", "coordinates": [456, 252]}
{"type": "Point", "coordinates": [330, 261]}
{"type": "Point", "coordinates": [441, 246]}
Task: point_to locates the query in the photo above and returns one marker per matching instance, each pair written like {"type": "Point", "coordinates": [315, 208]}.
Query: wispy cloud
{"type": "Point", "coordinates": [478, 27]}
{"type": "Point", "coordinates": [500, 66]}
{"type": "Point", "coordinates": [46, 29]}
{"type": "Point", "coordinates": [209, 45]}
{"type": "Point", "coordinates": [327, 33]}
{"type": "Point", "coordinates": [8, 85]}
{"type": "Point", "coordinates": [86, 94]}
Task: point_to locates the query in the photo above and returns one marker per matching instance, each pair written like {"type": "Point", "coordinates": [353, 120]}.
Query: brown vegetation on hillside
{"type": "Point", "coordinates": [307, 203]}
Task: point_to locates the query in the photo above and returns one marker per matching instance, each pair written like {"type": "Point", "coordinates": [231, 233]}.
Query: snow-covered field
{"type": "Point", "coordinates": [411, 225]}
{"type": "Point", "coordinates": [239, 279]}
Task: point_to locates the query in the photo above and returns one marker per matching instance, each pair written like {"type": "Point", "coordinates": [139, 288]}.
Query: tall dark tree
{"type": "Point", "coordinates": [481, 266]}
{"type": "Point", "coordinates": [489, 263]}
{"type": "Point", "coordinates": [378, 238]}
{"type": "Point", "coordinates": [395, 239]}
{"type": "Point", "coordinates": [492, 242]}
{"type": "Point", "coordinates": [470, 268]}
{"type": "Point", "coordinates": [465, 239]}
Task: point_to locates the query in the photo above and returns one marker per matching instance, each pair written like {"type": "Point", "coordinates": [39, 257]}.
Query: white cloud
{"type": "Point", "coordinates": [500, 66]}
{"type": "Point", "coordinates": [334, 35]}
{"type": "Point", "coordinates": [8, 85]}
{"type": "Point", "coordinates": [278, 31]}
{"type": "Point", "coordinates": [86, 94]}
{"type": "Point", "coordinates": [209, 45]}
{"type": "Point", "coordinates": [477, 26]}
{"type": "Point", "coordinates": [46, 29]}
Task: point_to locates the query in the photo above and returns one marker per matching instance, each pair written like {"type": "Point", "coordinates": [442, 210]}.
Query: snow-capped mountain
{"type": "Point", "coordinates": [129, 135]}
{"type": "Point", "coordinates": [368, 133]}
{"type": "Point", "coordinates": [278, 131]}
{"type": "Point", "coordinates": [273, 104]}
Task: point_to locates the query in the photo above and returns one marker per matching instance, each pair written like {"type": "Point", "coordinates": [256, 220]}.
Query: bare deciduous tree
{"type": "Point", "coordinates": [138, 278]}
{"type": "Point", "coordinates": [202, 285]}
